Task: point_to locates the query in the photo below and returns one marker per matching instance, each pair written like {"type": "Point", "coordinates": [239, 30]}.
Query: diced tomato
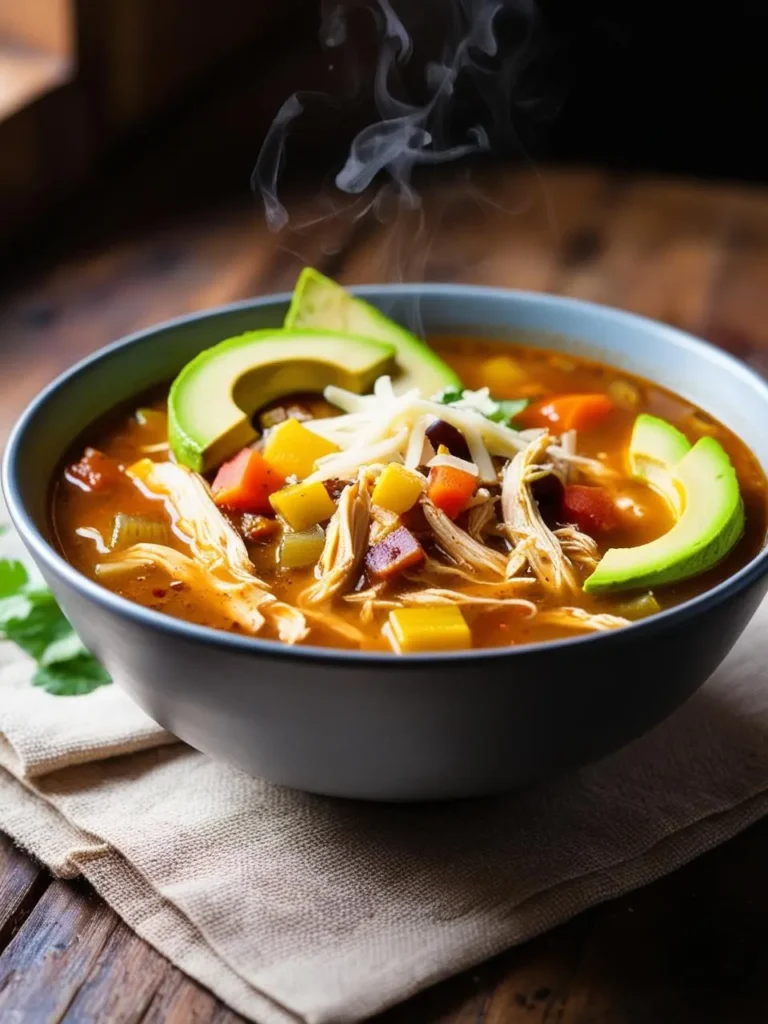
{"type": "Point", "coordinates": [95, 471]}
{"type": "Point", "coordinates": [246, 482]}
{"type": "Point", "coordinates": [450, 489]}
{"type": "Point", "coordinates": [567, 412]}
{"type": "Point", "coordinates": [591, 509]}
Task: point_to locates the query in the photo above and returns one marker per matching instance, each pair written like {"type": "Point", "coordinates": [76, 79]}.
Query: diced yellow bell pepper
{"type": "Point", "coordinates": [398, 488]}
{"type": "Point", "coordinates": [503, 374]}
{"type": "Point", "coordinates": [303, 505]}
{"type": "Point", "coordinates": [413, 630]}
{"type": "Point", "coordinates": [292, 450]}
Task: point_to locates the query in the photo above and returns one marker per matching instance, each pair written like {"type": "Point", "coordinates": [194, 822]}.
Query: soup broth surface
{"type": "Point", "coordinates": [83, 520]}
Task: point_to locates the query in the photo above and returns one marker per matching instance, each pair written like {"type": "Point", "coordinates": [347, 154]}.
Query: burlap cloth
{"type": "Point", "coordinates": [292, 907]}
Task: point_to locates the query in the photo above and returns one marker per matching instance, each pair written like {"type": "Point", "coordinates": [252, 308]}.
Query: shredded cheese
{"type": "Point", "coordinates": [455, 463]}
{"type": "Point", "coordinates": [384, 425]}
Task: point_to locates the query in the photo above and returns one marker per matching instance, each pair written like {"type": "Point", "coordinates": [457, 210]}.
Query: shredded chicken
{"type": "Point", "coordinates": [346, 540]}
{"type": "Point", "coordinates": [434, 596]}
{"type": "Point", "coordinates": [524, 525]}
{"type": "Point", "coordinates": [383, 522]}
{"type": "Point", "coordinates": [437, 596]}
{"type": "Point", "coordinates": [578, 618]}
{"type": "Point", "coordinates": [220, 570]}
{"type": "Point", "coordinates": [481, 519]}
{"type": "Point", "coordinates": [585, 468]}
{"type": "Point", "coordinates": [458, 545]}
{"type": "Point", "coordinates": [242, 602]}
{"type": "Point", "coordinates": [579, 547]}
{"type": "Point", "coordinates": [564, 463]}
{"type": "Point", "coordinates": [336, 625]}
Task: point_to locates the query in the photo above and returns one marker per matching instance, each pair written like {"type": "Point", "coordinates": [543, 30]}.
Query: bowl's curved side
{"type": "Point", "coordinates": [425, 731]}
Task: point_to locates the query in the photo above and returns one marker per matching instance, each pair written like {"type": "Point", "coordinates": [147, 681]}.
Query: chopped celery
{"type": "Point", "coordinates": [639, 607]}
{"type": "Point", "coordinates": [303, 548]}
{"type": "Point", "coordinates": [128, 530]}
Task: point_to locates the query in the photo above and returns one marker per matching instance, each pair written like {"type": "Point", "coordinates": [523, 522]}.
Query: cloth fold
{"type": "Point", "coordinates": [292, 907]}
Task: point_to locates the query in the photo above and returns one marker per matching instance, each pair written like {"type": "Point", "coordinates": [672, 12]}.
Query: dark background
{"type": "Point", "coordinates": [167, 102]}
{"type": "Point", "coordinates": [677, 88]}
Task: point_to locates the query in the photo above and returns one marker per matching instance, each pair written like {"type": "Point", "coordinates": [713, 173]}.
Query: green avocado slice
{"type": "Point", "coordinates": [711, 523]}
{"type": "Point", "coordinates": [320, 302]}
{"type": "Point", "coordinates": [655, 449]}
{"type": "Point", "coordinates": [212, 400]}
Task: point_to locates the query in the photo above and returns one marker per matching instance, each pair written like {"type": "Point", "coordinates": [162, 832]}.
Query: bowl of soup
{"type": "Point", "coordinates": [370, 562]}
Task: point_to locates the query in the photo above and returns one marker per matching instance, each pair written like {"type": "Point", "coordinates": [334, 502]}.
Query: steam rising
{"type": "Point", "coordinates": [470, 95]}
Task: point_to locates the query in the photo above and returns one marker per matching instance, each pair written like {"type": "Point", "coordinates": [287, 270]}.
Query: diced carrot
{"type": "Point", "coordinates": [591, 509]}
{"type": "Point", "coordinates": [246, 482]}
{"type": "Point", "coordinates": [567, 412]}
{"type": "Point", "coordinates": [95, 471]}
{"type": "Point", "coordinates": [397, 552]}
{"type": "Point", "coordinates": [450, 489]}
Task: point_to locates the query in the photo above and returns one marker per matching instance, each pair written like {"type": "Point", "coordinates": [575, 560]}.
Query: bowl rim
{"type": "Point", "coordinates": [44, 551]}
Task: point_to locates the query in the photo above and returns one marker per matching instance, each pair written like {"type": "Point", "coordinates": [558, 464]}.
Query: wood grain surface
{"type": "Point", "coordinates": [689, 949]}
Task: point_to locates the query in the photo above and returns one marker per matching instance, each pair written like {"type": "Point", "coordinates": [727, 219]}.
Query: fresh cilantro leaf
{"type": "Point", "coordinates": [507, 409]}
{"type": "Point", "coordinates": [43, 623]}
{"type": "Point", "coordinates": [13, 576]}
{"type": "Point", "coordinates": [17, 606]}
{"type": "Point", "coordinates": [499, 410]}
{"type": "Point", "coordinates": [74, 677]}
{"type": "Point", "coordinates": [30, 617]}
{"type": "Point", "coordinates": [449, 395]}
{"type": "Point", "coordinates": [65, 648]}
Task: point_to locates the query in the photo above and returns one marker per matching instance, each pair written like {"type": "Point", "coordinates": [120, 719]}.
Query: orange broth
{"type": "Point", "coordinates": [538, 373]}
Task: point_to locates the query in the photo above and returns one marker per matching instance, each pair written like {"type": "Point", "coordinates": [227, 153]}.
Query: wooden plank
{"type": "Point", "coordinates": [22, 883]}
{"type": "Point", "coordinates": [739, 313]}
{"type": "Point", "coordinates": [504, 229]}
{"type": "Point", "coordinates": [122, 982]}
{"type": "Point", "coordinates": [658, 251]}
{"type": "Point", "coordinates": [53, 953]}
{"type": "Point", "coordinates": [180, 1001]}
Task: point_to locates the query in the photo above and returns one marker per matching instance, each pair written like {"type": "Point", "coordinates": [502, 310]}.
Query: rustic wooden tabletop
{"type": "Point", "coordinates": [691, 947]}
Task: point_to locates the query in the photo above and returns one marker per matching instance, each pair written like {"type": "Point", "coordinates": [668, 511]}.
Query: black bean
{"type": "Point", "coordinates": [444, 433]}
{"type": "Point", "coordinates": [548, 494]}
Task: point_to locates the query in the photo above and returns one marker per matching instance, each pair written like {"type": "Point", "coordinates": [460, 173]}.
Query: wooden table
{"type": "Point", "coordinates": [690, 948]}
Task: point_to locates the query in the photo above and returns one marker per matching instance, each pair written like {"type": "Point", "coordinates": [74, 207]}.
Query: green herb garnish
{"type": "Point", "coordinates": [30, 617]}
{"type": "Point", "coordinates": [508, 408]}
{"type": "Point", "coordinates": [498, 410]}
{"type": "Point", "coordinates": [448, 396]}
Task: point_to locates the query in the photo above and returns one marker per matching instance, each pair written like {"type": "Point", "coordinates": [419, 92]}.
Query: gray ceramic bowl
{"type": "Point", "coordinates": [376, 726]}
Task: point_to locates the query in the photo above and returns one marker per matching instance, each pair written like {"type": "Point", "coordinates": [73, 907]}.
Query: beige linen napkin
{"type": "Point", "coordinates": [292, 907]}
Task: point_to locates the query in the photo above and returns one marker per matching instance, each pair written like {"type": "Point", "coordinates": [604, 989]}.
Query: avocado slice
{"type": "Point", "coordinates": [212, 400]}
{"type": "Point", "coordinates": [655, 449]}
{"type": "Point", "coordinates": [711, 522]}
{"type": "Point", "coordinates": [319, 302]}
